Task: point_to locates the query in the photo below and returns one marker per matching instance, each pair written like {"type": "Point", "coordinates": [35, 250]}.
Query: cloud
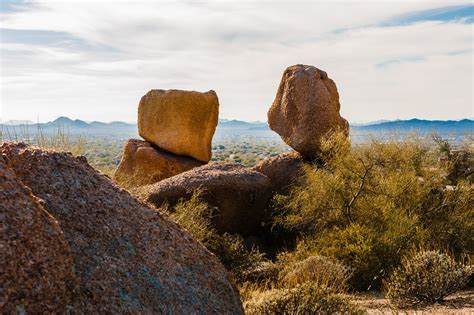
{"type": "Point", "coordinates": [94, 59]}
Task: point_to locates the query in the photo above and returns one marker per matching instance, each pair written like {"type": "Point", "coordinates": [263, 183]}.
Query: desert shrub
{"type": "Point", "coordinates": [264, 273]}
{"type": "Point", "coordinates": [318, 270]}
{"type": "Point", "coordinates": [369, 205]}
{"type": "Point", "coordinates": [426, 277]}
{"type": "Point", "coordinates": [302, 299]}
{"type": "Point", "coordinates": [458, 163]}
{"type": "Point", "coordinates": [195, 216]}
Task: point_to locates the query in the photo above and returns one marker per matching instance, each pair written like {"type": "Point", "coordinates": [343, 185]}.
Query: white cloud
{"type": "Point", "coordinates": [238, 49]}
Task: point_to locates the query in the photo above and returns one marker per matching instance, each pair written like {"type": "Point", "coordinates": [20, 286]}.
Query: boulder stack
{"type": "Point", "coordinates": [305, 109]}
{"type": "Point", "coordinates": [128, 257]}
{"type": "Point", "coordinates": [178, 127]}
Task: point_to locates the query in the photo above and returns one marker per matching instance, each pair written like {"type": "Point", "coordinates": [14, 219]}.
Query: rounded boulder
{"type": "Point", "coordinates": [144, 164]}
{"type": "Point", "coordinates": [239, 195]}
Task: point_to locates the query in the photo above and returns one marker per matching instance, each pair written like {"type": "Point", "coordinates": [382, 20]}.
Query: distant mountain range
{"type": "Point", "coordinates": [443, 127]}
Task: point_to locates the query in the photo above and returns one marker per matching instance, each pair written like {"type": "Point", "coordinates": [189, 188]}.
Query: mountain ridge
{"type": "Point", "coordinates": [415, 124]}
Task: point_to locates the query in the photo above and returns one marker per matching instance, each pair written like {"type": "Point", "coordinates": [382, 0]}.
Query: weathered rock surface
{"type": "Point", "coordinates": [305, 109]}
{"type": "Point", "coordinates": [284, 170]}
{"type": "Point", "coordinates": [144, 164]}
{"type": "Point", "coordinates": [240, 194]}
{"type": "Point", "coordinates": [36, 269]}
{"type": "Point", "coordinates": [181, 122]}
{"type": "Point", "coordinates": [130, 258]}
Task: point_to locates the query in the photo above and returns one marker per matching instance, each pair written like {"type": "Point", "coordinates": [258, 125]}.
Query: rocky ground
{"type": "Point", "coordinates": [458, 303]}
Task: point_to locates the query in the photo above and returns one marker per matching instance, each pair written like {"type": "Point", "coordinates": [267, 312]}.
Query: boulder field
{"type": "Point", "coordinates": [126, 256]}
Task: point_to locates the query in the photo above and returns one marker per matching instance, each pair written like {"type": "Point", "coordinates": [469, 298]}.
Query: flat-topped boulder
{"type": "Point", "coordinates": [144, 164]}
{"type": "Point", "coordinates": [36, 267]}
{"type": "Point", "coordinates": [129, 258]}
{"type": "Point", "coordinates": [181, 122]}
{"type": "Point", "coordinates": [238, 194]}
{"type": "Point", "coordinates": [306, 109]}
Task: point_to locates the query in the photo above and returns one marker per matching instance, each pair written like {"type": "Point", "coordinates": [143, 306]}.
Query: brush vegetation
{"type": "Point", "coordinates": [355, 221]}
{"type": "Point", "coordinates": [426, 277]}
{"type": "Point", "coordinates": [359, 215]}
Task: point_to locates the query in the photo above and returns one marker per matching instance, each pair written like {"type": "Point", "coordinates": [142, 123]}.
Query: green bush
{"type": "Point", "coordinates": [318, 270]}
{"type": "Point", "coordinates": [426, 277]}
{"type": "Point", "coordinates": [369, 205]}
{"type": "Point", "coordinates": [195, 216]}
{"type": "Point", "coordinates": [303, 299]}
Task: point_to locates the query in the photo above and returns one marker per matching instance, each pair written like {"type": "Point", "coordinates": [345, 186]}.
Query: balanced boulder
{"type": "Point", "coordinates": [129, 258]}
{"type": "Point", "coordinates": [239, 194]}
{"type": "Point", "coordinates": [305, 109]}
{"type": "Point", "coordinates": [181, 122]}
{"type": "Point", "coordinates": [143, 164]}
{"type": "Point", "coordinates": [36, 268]}
{"type": "Point", "coordinates": [283, 170]}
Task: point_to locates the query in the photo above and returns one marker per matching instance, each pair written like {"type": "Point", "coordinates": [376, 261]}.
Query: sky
{"type": "Point", "coordinates": [93, 60]}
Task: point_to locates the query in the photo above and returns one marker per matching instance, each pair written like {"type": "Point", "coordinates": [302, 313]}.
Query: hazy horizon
{"type": "Point", "coordinates": [93, 60]}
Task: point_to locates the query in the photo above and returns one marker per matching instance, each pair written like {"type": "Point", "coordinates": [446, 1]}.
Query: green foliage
{"type": "Point", "coordinates": [426, 277]}
{"type": "Point", "coordinates": [302, 299]}
{"type": "Point", "coordinates": [195, 216]}
{"type": "Point", "coordinates": [369, 205]}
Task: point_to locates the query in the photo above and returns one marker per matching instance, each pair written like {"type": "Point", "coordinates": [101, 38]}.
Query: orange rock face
{"type": "Point", "coordinates": [143, 164]}
{"type": "Point", "coordinates": [181, 122]}
{"type": "Point", "coordinates": [305, 109]}
{"type": "Point", "coordinates": [36, 267]}
{"type": "Point", "coordinates": [129, 258]}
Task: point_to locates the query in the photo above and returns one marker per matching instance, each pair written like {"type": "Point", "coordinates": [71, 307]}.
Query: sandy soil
{"type": "Point", "coordinates": [459, 303]}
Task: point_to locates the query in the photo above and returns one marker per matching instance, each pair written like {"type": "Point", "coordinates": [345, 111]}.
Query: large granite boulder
{"type": "Point", "coordinates": [305, 109]}
{"type": "Point", "coordinates": [36, 269]}
{"type": "Point", "coordinates": [129, 258]}
{"type": "Point", "coordinates": [284, 171]}
{"type": "Point", "coordinates": [181, 122]}
{"type": "Point", "coordinates": [143, 164]}
{"type": "Point", "coordinates": [239, 194]}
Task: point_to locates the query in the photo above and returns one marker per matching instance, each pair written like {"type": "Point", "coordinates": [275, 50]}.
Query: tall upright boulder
{"type": "Point", "coordinates": [144, 164]}
{"type": "Point", "coordinates": [129, 258]}
{"type": "Point", "coordinates": [305, 109]}
{"type": "Point", "coordinates": [36, 266]}
{"type": "Point", "coordinates": [181, 122]}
